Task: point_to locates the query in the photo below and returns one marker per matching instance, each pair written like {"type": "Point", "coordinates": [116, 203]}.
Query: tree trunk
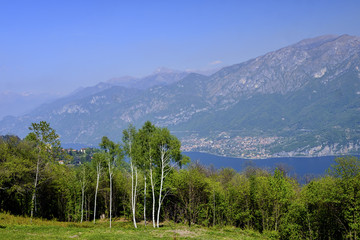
{"type": "Point", "coordinates": [160, 191]}
{"type": "Point", "coordinates": [110, 198]}
{"type": "Point", "coordinates": [145, 199]}
{"type": "Point", "coordinates": [161, 184]}
{"type": "Point", "coordinates": [133, 192]}
{"type": "Point", "coordinates": [82, 201]}
{"type": "Point", "coordinates": [83, 184]}
{"type": "Point", "coordinates": [85, 207]}
{"type": "Point", "coordinates": [98, 168]}
{"type": "Point", "coordinates": [33, 199]}
{"type": "Point", "coordinates": [153, 196]}
{"type": "Point", "coordinates": [110, 178]}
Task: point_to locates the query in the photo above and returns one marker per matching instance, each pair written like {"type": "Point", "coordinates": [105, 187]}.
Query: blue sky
{"type": "Point", "coordinates": [57, 46]}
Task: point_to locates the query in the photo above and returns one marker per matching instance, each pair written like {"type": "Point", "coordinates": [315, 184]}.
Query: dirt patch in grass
{"type": "Point", "coordinates": [184, 233]}
{"type": "Point", "coordinates": [178, 233]}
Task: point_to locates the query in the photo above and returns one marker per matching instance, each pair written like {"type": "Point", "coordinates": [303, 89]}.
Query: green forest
{"type": "Point", "coordinates": [143, 178]}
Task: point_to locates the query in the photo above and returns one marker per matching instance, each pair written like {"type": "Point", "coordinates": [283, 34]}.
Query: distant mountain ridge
{"type": "Point", "coordinates": [161, 76]}
{"type": "Point", "coordinates": [13, 103]}
{"type": "Point", "coordinates": [16, 104]}
{"type": "Point", "coordinates": [301, 100]}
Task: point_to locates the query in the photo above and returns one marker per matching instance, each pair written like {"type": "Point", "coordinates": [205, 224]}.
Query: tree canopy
{"type": "Point", "coordinates": [326, 207]}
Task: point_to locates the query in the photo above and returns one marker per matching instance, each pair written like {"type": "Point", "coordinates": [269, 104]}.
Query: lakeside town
{"type": "Point", "coordinates": [253, 147]}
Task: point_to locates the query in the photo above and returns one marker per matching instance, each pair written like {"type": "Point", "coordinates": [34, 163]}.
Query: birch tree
{"type": "Point", "coordinates": [154, 151]}
{"type": "Point", "coordinates": [128, 139]}
{"type": "Point", "coordinates": [97, 162]}
{"type": "Point", "coordinates": [83, 184]}
{"type": "Point", "coordinates": [165, 169]}
{"type": "Point", "coordinates": [113, 153]}
{"type": "Point", "coordinates": [165, 148]}
{"type": "Point", "coordinates": [152, 188]}
{"type": "Point", "coordinates": [47, 146]}
{"type": "Point", "coordinates": [144, 161]}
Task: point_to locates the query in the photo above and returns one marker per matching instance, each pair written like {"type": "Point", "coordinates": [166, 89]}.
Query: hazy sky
{"type": "Point", "coordinates": [56, 46]}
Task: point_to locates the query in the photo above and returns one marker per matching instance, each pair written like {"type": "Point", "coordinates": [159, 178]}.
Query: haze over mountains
{"type": "Point", "coordinates": [16, 104]}
{"type": "Point", "coordinates": [301, 100]}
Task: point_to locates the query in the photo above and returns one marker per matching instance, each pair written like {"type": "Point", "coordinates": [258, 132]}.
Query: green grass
{"type": "Point", "coordinates": [14, 227]}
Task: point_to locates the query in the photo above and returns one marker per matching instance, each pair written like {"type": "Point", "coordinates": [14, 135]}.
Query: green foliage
{"type": "Point", "coordinates": [224, 201]}
{"type": "Point", "coordinates": [192, 190]}
{"type": "Point", "coordinates": [17, 163]}
{"type": "Point", "coordinates": [345, 168]}
{"type": "Point", "coordinates": [347, 173]}
{"type": "Point", "coordinates": [45, 139]}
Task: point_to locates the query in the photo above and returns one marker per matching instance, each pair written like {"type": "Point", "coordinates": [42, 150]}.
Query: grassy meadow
{"type": "Point", "coordinates": [15, 227]}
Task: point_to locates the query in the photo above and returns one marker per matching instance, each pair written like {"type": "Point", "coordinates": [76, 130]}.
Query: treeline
{"type": "Point", "coordinates": [146, 179]}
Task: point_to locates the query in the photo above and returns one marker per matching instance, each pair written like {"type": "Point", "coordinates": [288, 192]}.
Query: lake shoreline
{"type": "Point", "coordinates": [298, 167]}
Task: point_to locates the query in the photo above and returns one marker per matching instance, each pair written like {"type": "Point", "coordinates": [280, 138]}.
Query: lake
{"type": "Point", "coordinates": [298, 167]}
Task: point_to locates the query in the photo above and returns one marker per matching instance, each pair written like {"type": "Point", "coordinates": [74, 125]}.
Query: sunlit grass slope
{"type": "Point", "coordinates": [12, 227]}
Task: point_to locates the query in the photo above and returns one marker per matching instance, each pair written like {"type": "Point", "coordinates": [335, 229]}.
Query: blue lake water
{"type": "Point", "coordinates": [298, 167]}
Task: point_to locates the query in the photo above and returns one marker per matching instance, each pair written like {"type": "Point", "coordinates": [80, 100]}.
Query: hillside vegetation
{"type": "Point", "coordinates": [158, 187]}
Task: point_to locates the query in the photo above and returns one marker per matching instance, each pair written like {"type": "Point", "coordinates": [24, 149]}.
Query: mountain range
{"type": "Point", "coordinates": [17, 104]}
{"type": "Point", "coordinates": [301, 100]}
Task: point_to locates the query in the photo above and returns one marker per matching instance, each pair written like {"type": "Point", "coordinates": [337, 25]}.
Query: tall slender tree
{"type": "Point", "coordinates": [129, 136]}
{"type": "Point", "coordinates": [98, 160]}
{"type": "Point", "coordinates": [166, 151]}
{"type": "Point", "coordinates": [83, 183]}
{"type": "Point", "coordinates": [113, 153]}
{"type": "Point", "coordinates": [47, 146]}
{"type": "Point", "coordinates": [142, 150]}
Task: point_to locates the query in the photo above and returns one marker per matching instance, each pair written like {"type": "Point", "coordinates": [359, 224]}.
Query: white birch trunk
{"type": "Point", "coordinates": [153, 196]}
{"type": "Point", "coordinates": [110, 199]}
{"type": "Point", "coordinates": [35, 187]}
{"type": "Point", "coordinates": [164, 163]}
{"type": "Point", "coordinates": [160, 191]}
{"type": "Point", "coordinates": [98, 169]}
{"type": "Point", "coordinates": [82, 198]}
{"type": "Point", "coordinates": [145, 199]}
{"type": "Point", "coordinates": [133, 192]}
{"type": "Point", "coordinates": [110, 178]}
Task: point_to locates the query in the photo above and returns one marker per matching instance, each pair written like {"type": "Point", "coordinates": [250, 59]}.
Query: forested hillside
{"type": "Point", "coordinates": [146, 180]}
{"type": "Point", "coordinates": [300, 100]}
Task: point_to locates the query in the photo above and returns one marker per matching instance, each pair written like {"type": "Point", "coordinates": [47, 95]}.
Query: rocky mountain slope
{"type": "Point", "coordinates": [303, 99]}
